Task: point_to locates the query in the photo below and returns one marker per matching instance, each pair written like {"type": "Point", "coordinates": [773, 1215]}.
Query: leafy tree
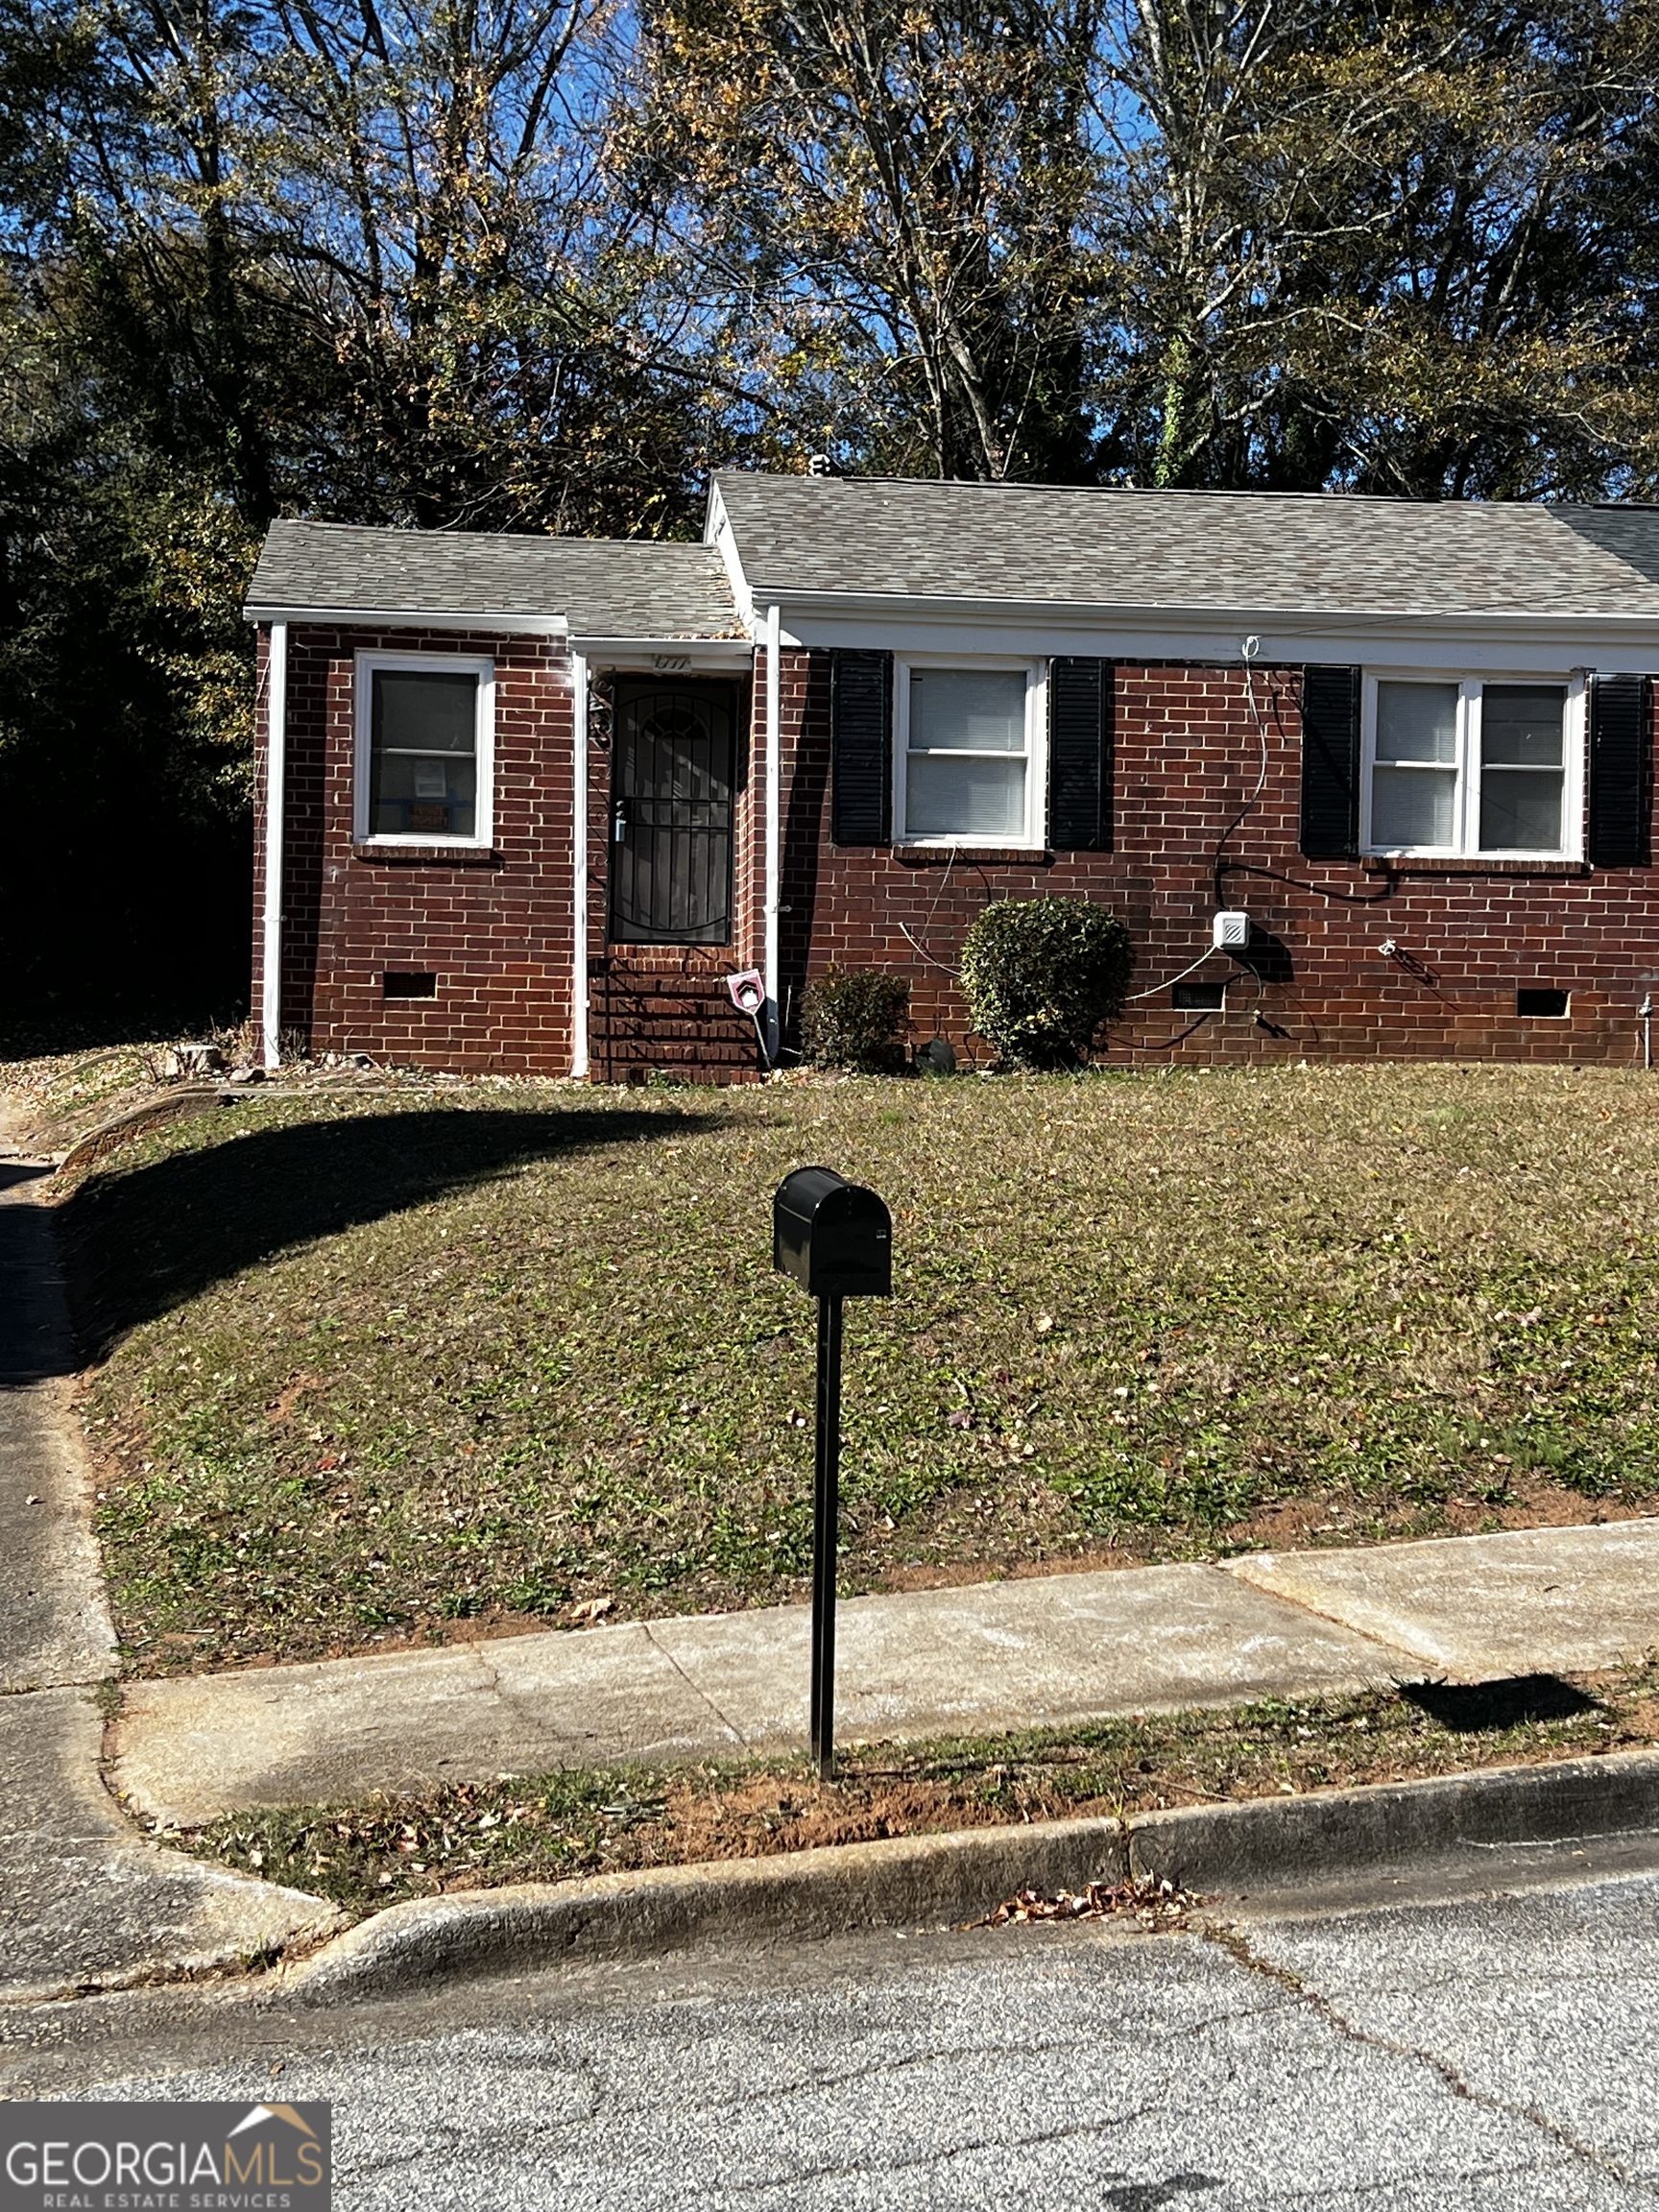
{"type": "Point", "coordinates": [891, 205]}
{"type": "Point", "coordinates": [125, 717]}
{"type": "Point", "coordinates": [1381, 246]}
{"type": "Point", "coordinates": [306, 255]}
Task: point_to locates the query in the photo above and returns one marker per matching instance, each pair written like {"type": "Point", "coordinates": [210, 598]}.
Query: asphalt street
{"type": "Point", "coordinates": [1488, 2054]}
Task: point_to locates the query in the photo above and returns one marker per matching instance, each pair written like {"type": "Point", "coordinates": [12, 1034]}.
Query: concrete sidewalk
{"type": "Point", "coordinates": [1048, 1652]}
{"type": "Point", "coordinates": [83, 1902]}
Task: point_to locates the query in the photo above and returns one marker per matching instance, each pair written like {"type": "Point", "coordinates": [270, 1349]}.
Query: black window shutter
{"type": "Point", "coordinates": [861, 747]}
{"type": "Point", "coordinates": [1331, 764]}
{"type": "Point", "coordinates": [1080, 754]}
{"type": "Point", "coordinates": [1619, 723]}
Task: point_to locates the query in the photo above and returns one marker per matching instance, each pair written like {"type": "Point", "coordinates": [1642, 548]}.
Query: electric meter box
{"type": "Point", "coordinates": [1230, 931]}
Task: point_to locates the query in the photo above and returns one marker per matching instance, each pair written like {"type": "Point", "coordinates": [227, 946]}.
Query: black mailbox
{"type": "Point", "coordinates": [834, 1237]}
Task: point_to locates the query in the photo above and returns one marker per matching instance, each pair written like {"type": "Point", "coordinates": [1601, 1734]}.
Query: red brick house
{"type": "Point", "coordinates": [535, 798]}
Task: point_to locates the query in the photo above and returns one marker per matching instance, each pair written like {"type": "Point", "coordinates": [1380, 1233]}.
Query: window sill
{"type": "Point", "coordinates": [1467, 864]}
{"type": "Point", "coordinates": [1002, 855]}
{"type": "Point", "coordinates": [428, 856]}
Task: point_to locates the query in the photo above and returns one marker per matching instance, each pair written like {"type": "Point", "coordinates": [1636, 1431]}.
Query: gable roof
{"type": "Point", "coordinates": [603, 588]}
{"type": "Point", "coordinates": [1257, 551]}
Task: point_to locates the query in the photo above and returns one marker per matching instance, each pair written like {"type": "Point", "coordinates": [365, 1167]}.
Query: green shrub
{"type": "Point", "coordinates": [855, 1017]}
{"type": "Point", "coordinates": [1041, 975]}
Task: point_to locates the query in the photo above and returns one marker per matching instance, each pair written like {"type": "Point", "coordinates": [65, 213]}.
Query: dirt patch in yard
{"type": "Point", "coordinates": [557, 1827]}
{"type": "Point", "coordinates": [388, 1369]}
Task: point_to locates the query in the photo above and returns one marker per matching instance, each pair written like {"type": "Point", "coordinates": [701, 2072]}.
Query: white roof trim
{"type": "Point", "coordinates": [1151, 615]}
{"type": "Point", "coordinates": [717, 531]}
{"type": "Point", "coordinates": [411, 618]}
{"type": "Point", "coordinates": [699, 652]}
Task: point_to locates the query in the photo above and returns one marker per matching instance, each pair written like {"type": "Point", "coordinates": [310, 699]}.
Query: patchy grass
{"type": "Point", "coordinates": [378, 1367]}
{"type": "Point", "coordinates": [50, 1098]}
{"type": "Point", "coordinates": [555, 1827]}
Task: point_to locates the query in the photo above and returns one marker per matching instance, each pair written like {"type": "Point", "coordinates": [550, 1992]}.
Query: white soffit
{"type": "Point", "coordinates": [405, 618]}
{"type": "Point", "coordinates": [1211, 636]}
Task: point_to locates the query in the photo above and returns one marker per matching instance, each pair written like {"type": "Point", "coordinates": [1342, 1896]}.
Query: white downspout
{"type": "Point", "coordinates": [579, 868]}
{"type": "Point", "coordinates": [275, 776]}
{"type": "Point", "coordinates": [774, 823]}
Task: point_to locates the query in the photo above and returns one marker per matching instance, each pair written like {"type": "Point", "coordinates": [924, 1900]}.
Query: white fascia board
{"type": "Point", "coordinates": [666, 654]}
{"type": "Point", "coordinates": [409, 618]}
{"type": "Point", "coordinates": [1518, 643]}
{"type": "Point", "coordinates": [717, 531]}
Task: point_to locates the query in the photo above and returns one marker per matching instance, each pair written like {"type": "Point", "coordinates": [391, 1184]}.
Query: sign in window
{"type": "Point", "coordinates": [423, 754]}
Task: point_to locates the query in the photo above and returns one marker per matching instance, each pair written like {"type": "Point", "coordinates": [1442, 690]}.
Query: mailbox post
{"type": "Point", "coordinates": [836, 1240]}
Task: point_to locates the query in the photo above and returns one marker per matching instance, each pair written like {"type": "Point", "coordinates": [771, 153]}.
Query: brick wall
{"type": "Point", "coordinates": [1188, 758]}
{"type": "Point", "coordinates": [496, 928]}
{"type": "Point", "coordinates": [498, 932]}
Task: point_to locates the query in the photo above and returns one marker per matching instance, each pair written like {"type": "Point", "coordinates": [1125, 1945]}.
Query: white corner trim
{"type": "Point", "coordinates": [275, 780]}
{"type": "Point", "coordinates": [774, 820]}
{"type": "Point", "coordinates": [579, 864]}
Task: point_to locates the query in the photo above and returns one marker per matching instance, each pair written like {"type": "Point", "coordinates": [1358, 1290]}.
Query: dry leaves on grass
{"type": "Point", "coordinates": [549, 1365]}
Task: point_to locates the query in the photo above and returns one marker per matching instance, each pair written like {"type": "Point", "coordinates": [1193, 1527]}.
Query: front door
{"type": "Point", "coordinates": [674, 758]}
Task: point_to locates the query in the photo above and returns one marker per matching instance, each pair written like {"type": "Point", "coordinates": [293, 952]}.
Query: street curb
{"type": "Point", "coordinates": [134, 1121]}
{"type": "Point", "coordinates": [1287, 1843]}
{"type": "Point", "coordinates": [919, 1881]}
{"type": "Point", "coordinates": [905, 1881]}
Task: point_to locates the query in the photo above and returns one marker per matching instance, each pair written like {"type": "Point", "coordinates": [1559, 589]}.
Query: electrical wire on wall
{"type": "Point", "coordinates": [1247, 652]}
{"type": "Point", "coordinates": [915, 945]}
{"type": "Point", "coordinates": [1249, 649]}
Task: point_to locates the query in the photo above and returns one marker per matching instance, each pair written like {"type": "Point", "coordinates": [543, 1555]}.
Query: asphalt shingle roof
{"type": "Point", "coordinates": [604, 587]}
{"type": "Point", "coordinates": [1276, 551]}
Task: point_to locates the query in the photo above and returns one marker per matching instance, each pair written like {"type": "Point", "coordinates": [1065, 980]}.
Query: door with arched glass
{"type": "Point", "coordinates": [674, 760]}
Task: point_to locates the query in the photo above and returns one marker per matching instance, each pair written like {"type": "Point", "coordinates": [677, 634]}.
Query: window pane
{"type": "Point", "coordinates": [1520, 811]}
{"type": "Point", "coordinates": [978, 709]}
{"type": "Point", "coordinates": [423, 770]}
{"type": "Point", "coordinates": [946, 797]}
{"type": "Point", "coordinates": [1417, 722]}
{"type": "Point", "coordinates": [1521, 725]}
{"type": "Point", "coordinates": [1412, 807]}
{"type": "Point", "coordinates": [426, 714]}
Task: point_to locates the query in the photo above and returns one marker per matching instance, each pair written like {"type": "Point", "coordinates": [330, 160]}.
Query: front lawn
{"type": "Point", "coordinates": [382, 1367]}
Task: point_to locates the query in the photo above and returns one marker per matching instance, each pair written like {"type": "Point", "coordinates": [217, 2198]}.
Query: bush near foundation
{"type": "Point", "coordinates": [855, 1017]}
{"type": "Point", "coordinates": [1041, 975]}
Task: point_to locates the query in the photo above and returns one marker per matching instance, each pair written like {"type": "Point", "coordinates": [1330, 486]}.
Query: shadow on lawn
{"type": "Point", "coordinates": [138, 1244]}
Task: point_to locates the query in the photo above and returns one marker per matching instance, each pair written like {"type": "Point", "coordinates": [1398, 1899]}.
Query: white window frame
{"type": "Point", "coordinates": [1034, 837]}
{"type": "Point", "coordinates": [1466, 764]}
{"type": "Point", "coordinates": [481, 666]}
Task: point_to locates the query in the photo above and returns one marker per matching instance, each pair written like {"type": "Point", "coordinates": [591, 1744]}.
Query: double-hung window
{"type": "Point", "coordinates": [1473, 766]}
{"type": "Point", "coordinates": [425, 741]}
{"type": "Point", "coordinates": [966, 765]}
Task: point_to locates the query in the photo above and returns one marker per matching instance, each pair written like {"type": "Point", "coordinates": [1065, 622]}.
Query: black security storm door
{"type": "Point", "coordinates": [674, 764]}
